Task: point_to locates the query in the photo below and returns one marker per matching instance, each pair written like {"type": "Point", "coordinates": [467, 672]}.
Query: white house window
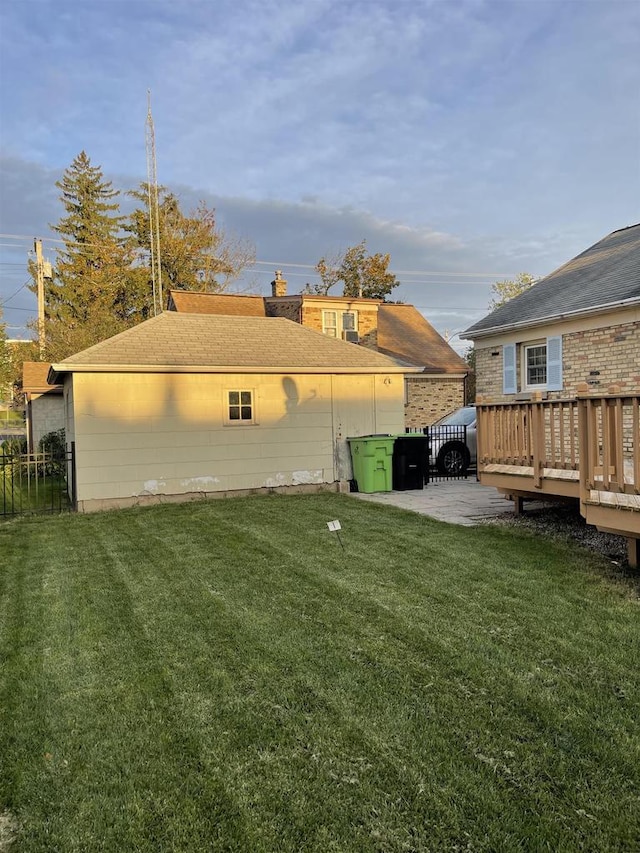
{"type": "Point", "coordinates": [349, 321]}
{"type": "Point", "coordinates": [340, 324]}
{"type": "Point", "coordinates": [240, 407]}
{"type": "Point", "coordinates": [540, 366]}
{"type": "Point", "coordinates": [330, 323]}
{"type": "Point", "coordinates": [535, 365]}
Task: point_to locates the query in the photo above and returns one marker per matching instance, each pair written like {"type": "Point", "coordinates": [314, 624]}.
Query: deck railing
{"type": "Point", "coordinates": [539, 435]}
{"type": "Point", "coordinates": [609, 429]}
{"type": "Point", "coordinates": [599, 437]}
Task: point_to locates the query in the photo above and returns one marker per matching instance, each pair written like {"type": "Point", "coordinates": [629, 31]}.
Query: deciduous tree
{"type": "Point", "coordinates": [362, 274]}
{"type": "Point", "coordinates": [506, 290]}
{"type": "Point", "coordinates": [195, 254]}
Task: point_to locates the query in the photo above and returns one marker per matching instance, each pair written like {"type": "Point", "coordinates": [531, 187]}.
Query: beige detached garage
{"type": "Point", "coordinates": [186, 405]}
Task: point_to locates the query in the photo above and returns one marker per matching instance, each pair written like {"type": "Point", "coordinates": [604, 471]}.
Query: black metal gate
{"type": "Point", "coordinates": [448, 456]}
{"type": "Point", "coordinates": [36, 483]}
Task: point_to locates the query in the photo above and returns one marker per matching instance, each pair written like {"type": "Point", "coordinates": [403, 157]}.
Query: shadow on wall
{"type": "Point", "coordinates": [168, 433]}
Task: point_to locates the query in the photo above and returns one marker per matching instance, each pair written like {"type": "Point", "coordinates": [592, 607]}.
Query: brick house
{"type": "Point", "coordinates": [399, 331]}
{"type": "Point", "coordinates": [558, 388]}
{"type": "Point", "coordinates": [580, 324]}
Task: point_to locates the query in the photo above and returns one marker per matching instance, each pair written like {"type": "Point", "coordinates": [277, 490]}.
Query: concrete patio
{"type": "Point", "coordinates": [465, 502]}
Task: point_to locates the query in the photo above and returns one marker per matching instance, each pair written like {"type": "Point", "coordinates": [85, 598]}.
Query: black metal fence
{"type": "Point", "coordinates": [36, 483]}
{"type": "Point", "coordinates": [449, 456]}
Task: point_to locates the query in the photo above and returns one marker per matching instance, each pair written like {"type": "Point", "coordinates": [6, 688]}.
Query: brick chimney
{"type": "Point", "coordinates": [279, 285]}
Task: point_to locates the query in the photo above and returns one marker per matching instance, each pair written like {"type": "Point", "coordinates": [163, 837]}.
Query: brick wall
{"type": "Point", "coordinates": [429, 399]}
{"type": "Point", "coordinates": [289, 309]}
{"type": "Point", "coordinates": [367, 322]}
{"type": "Point", "coordinates": [599, 357]}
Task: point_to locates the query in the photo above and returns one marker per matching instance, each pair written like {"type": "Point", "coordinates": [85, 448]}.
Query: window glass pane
{"type": "Point", "coordinates": [245, 398]}
{"type": "Point", "coordinates": [348, 321]}
{"type": "Point", "coordinates": [537, 365]}
{"type": "Point", "coordinates": [234, 413]}
{"type": "Point", "coordinates": [329, 318]}
{"type": "Point", "coordinates": [234, 398]}
{"type": "Point", "coordinates": [246, 413]}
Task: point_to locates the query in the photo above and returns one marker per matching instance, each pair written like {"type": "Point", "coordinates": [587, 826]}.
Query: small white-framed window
{"type": "Point", "coordinates": [330, 323]}
{"type": "Point", "coordinates": [337, 324]}
{"type": "Point", "coordinates": [240, 407]}
{"type": "Point", "coordinates": [350, 321]}
{"type": "Point", "coordinates": [535, 365]}
{"type": "Point", "coordinates": [532, 365]}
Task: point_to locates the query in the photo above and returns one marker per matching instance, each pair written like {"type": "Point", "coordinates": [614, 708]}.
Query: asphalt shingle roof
{"type": "Point", "coordinates": [188, 302]}
{"type": "Point", "coordinates": [221, 342]}
{"type": "Point", "coordinates": [34, 377]}
{"type": "Point", "coordinates": [405, 334]}
{"type": "Point", "coordinates": [606, 274]}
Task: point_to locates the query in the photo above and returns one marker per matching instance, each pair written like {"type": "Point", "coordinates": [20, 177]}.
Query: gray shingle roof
{"type": "Point", "coordinates": [215, 343]}
{"type": "Point", "coordinates": [606, 274]}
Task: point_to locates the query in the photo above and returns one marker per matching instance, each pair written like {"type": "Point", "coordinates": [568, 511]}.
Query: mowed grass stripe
{"type": "Point", "coordinates": [222, 676]}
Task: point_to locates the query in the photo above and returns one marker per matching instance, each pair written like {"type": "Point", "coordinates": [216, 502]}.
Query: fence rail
{"type": "Point", "coordinates": [36, 483]}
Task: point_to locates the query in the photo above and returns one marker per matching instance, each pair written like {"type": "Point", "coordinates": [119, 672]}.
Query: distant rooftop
{"type": "Point", "coordinates": [603, 276]}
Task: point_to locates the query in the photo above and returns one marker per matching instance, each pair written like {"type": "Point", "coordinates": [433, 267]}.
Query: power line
{"type": "Point", "coordinates": [285, 264]}
{"type": "Point", "coordinates": [280, 264]}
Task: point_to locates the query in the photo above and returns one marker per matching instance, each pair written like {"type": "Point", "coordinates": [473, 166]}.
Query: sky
{"type": "Point", "coordinates": [470, 139]}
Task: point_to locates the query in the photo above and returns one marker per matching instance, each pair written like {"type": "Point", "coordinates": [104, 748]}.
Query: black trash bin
{"type": "Point", "coordinates": [410, 462]}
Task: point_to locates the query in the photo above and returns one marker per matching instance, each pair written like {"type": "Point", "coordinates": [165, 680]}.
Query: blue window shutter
{"type": "Point", "coordinates": [554, 363]}
{"type": "Point", "coordinates": [509, 369]}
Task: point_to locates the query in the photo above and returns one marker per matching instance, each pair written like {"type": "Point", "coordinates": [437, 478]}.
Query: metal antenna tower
{"type": "Point", "coordinates": [154, 215]}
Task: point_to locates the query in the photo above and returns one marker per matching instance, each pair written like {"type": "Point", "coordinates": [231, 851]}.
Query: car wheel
{"type": "Point", "coordinates": [453, 460]}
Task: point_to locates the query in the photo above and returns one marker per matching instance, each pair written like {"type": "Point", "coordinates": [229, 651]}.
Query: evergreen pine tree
{"type": "Point", "coordinates": [90, 296]}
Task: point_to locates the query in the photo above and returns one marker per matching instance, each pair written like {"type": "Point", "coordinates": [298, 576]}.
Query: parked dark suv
{"type": "Point", "coordinates": [449, 451]}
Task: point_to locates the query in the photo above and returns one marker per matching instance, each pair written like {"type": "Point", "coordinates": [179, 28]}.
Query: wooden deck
{"type": "Point", "coordinates": [586, 449]}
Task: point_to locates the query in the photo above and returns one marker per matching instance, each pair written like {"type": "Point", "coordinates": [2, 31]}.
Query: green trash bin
{"type": "Point", "coordinates": [371, 456]}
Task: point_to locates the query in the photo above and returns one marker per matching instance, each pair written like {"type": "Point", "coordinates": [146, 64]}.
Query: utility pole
{"type": "Point", "coordinates": [154, 216]}
{"type": "Point", "coordinates": [37, 245]}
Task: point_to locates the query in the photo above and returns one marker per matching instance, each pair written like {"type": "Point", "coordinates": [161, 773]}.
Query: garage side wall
{"type": "Point", "coordinates": [141, 436]}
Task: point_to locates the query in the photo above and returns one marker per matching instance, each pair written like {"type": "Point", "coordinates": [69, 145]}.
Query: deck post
{"type": "Point", "coordinates": [537, 414]}
{"type": "Point", "coordinates": [633, 552]}
{"type": "Point", "coordinates": [583, 450]}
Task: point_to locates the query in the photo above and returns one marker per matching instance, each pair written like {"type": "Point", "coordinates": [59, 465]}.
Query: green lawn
{"type": "Point", "coordinates": [222, 676]}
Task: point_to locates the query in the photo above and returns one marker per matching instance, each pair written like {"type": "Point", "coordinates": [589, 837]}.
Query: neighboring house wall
{"type": "Point", "coordinates": [430, 398]}
{"type": "Point", "coordinates": [309, 312]}
{"type": "Point", "coordinates": [142, 435]}
{"type": "Point", "coordinates": [289, 309]}
{"type": "Point", "coordinates": [45, 413]}
{"type": "Point", "coordinates": [599, 351]}
{"type": "Point", "coordinates": [367, 319]}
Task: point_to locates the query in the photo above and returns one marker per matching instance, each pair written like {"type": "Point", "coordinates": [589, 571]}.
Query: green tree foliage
{"type": "Point", "coordinates": [194, 253]}
{"type": "Point", "coordinates": [6, 378]}
{"type": "Point", "coordinates": [362, 274]}
{"type": "Point", "coordinates": [101, 281]}
{"type": "Point", "coordinates": [89, 297]}
{"type": "Point", "coordinates": [505, 290]}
